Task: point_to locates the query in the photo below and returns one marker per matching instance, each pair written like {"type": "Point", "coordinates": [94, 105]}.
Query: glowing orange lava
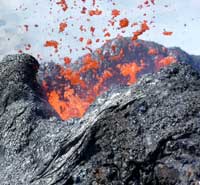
{"type": "Point", "coordinates": [115, 13]}
{"type": "Point", "coordinates": [124, 23]}
{"type": "Point", "coordinates": [73, 89]}
{"type": "Point", "coordinates": [165, 62]}
{"type": "Point", "coordinates": [152, 51]}
{"type": "Point", "coordinates": [63, 4]}
{"type": "Point", "coordinates": [52, 43]}
{"type": "Point", "coordinates": [62, 26]}
{"type": "Point", "coordinates": [95, 12]}
{"type": "Point", "coordinates": [167, 33]}
{"type": "Point", "coordinates": [67, 60]}
{"type": "Point", "coordinates": [131, 70]}
{"type": "Point", "coordinates": [71, 106]}
{"type": "Point", "coordinates": [144, 28]}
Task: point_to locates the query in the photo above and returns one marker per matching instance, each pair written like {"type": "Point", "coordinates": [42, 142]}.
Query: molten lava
{"type": "Point", "coordinates": [131, 70]}
{"type": "Point", "coordinates": [167, 33]}
{"type": "Point", "coordinates": [70, 106]}
{"type": "Point", "coordinates": [52, 43]}
{"type": "Point", "coordinates": [62, 26]}
{"type": "Point", "coordinates": [63, 4]}
{"type": "Point", "coordinates": [115, 13]}
{"type": "Point", "coordinates": [124, 23]}
{"type": "Point", "coordinates": [152, 51]}
{"type": "Point", "coordinates": [74, 86]}
{"type": "Point", "coordinates": [165, 62]}
{"type": "Point", "coordinates": [95, 12]}
{"type": "Point", "coordinates": [71, 91]}
{"type": "Point", "coordinates": [144, 27]}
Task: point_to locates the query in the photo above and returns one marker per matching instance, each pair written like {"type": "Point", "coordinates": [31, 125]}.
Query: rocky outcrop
{"type": "Point", "coordinates": [145, 134]}
{"type": "Point", "coordinates": [23, 132]}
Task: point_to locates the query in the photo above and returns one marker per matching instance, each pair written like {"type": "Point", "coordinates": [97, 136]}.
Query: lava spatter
{"type": "Point", "coordinates": [152, 51]}
{"type": "Point", "coordinates": [123, 23]}
{"type": "Point", "coordinates": [131, 70]}
{"type": "Point", "coordinates": [63, 4]}
{"type": "Point", "coordinates": [52, 43]}
{"type": "Point", "coordinates": [62, 26]}
{"type": "Point", "coordinates": [165, 62]}
{"type": "Point", "coordinates": [167, 33]}
{"type": "Point", "coordinates": [144, 28]}
{"type": "Point", "coordinates": [72, 89]}
{"type": "Point", "coordinates": [115, 13]}
{"type": "Point", "coordinates": [67, 60]}
{"type": "Point", "coordinates": [95, 12]}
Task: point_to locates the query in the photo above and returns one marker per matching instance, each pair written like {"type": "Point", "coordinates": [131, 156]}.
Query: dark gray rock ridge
{"type": "Point", "coordinates": [146, 134]}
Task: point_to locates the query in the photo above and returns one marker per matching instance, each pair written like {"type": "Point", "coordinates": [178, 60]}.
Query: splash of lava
{"type": "Point", "coordinates": [74, 86]}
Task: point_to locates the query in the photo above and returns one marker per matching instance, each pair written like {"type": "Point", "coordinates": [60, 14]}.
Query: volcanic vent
{"type": "Point", "coordinates": [73, 87]}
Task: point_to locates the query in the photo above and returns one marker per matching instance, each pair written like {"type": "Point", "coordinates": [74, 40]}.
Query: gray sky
{"type": "Point", "coordinates": [180, 16]}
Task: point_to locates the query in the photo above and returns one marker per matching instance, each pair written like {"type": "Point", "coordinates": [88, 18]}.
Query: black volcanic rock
{"type": "Point", "coordinates": [144, 134]}
{"type": "Point", "coordinates": [18, 83]}
{"type": "Point", "coordinates": [22, 107]}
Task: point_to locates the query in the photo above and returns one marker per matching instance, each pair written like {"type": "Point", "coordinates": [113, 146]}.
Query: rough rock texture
{"type": "Point", "coordinates": [147, 134]}
{"type": "Point", "coordinates": [24, 136]}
